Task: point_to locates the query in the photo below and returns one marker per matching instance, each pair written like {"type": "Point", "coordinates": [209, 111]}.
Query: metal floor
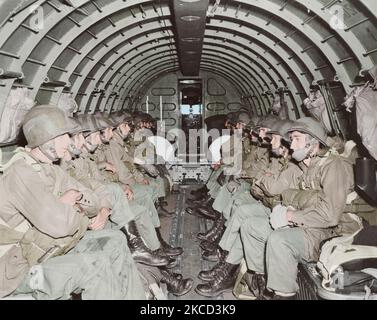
{"type": "Point", "coordinates": [183, 228]}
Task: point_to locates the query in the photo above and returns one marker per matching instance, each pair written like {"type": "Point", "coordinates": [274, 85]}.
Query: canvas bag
{"type": "Point", "coordinates": [17, 105]}
{"type": "Point", "coordinates": [365, 101]}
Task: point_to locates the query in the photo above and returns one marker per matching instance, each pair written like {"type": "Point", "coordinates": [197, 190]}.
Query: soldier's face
{"type": "Point", "coordinates": [79, 141]}
{"type": "Point", "coordinates": [61, 147]}
{"type": "Point", "coordinates": [262, 132]}
{"type": "Point", "coordinates": [276, 141]}
{"type": "Point", "coordinates": [240, 125]}
{"type": "Point", "coordinates": [95, 138]}
{"type": "Point", "coordinates": [125, 129]}
{"type": "Point", "coordinates": [298, 140]}
{"type": "Point", "coordinates": [108, 134]}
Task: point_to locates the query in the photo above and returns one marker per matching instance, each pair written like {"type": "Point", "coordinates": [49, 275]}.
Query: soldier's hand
{"type": "Point", "coordinates": [128, 192]}
{"type": "Point", "coordinates": [71, 197]}
{"type": "Point", "coordinates": [145, 181]}
{"type": "Point", "coordinates": [110, 167]}
{"type": "Point", "coordinates": [99, 221]}
{"type": "Point", "coordinates": [216, 166]}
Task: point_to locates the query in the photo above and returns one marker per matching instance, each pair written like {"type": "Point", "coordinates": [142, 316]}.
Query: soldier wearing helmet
{"type": "Point", "coordinates": [226, 195]}
{"type": "Point", "coordinates": [309, 214]}
{"type": "Point", "coordinates": [52, 210]}
{"type": "Point", "coordinates": [120, 211]}
{"type": "Point", "coordinates": [267, 188]}
{"type": "Point", "coordinates": [308, 135]}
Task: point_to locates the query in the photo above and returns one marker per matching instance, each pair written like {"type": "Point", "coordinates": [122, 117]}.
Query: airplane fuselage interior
{"type": "Point", "coordinates": [188, 150]}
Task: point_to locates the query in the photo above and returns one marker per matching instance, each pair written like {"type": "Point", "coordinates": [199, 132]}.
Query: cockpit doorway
{"type": "Point", "coordinates": [191, 111]}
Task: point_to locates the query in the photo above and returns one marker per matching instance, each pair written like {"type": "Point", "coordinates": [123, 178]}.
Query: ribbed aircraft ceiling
{"type": "Point", "coordinates": [107, 52]}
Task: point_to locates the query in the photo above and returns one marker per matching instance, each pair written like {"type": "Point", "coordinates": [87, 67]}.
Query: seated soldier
{"type": "Point", "coordinates": [112, 196]}
{"type": "Point", "coordinates": [212, 187]}
{"type": "Point", "coordinates": [44, 214]}
{"type": "Point", "coordinates": [126, 216]}
{"type": "Point", "coordinates": [116, 153]}
{"type": "Point", "coordinates": [276, 178]}
{"type": "Point", "coordinates": [235, 193]}
{"type": "Point", "coordinates": [292, 233]}
{"type": "Point", "coordinates": [137, 146]}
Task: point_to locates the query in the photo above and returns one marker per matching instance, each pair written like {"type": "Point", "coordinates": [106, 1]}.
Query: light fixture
{"type": "Point", "coordinates": [190, 18]}
{"type": "Point", "coordinates": [190, 39]}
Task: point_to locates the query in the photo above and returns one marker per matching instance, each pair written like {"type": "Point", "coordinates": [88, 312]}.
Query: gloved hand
{"type": "Point", "coordinates": [232, 186]}
{"type": "Point", "coordinates": [278, 217]}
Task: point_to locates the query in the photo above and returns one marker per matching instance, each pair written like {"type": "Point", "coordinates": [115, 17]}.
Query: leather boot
{"type": "Point", "coordinates": [163, 270]}
{"type": "Point", "coordinates": [198, 195]}
{"type": "Point", "coordinates": [202, 198]}
{"type": "Point", "coordinates": [213, 240]}
{"type": "Point", "coordinates": [257, 285]}
{"type": "Point", "coordinates": [208, 275]}
{"type": "Point", "coordinates": [161, 210]}
{"type": "Point", "coordinates": [178, 287]}
{"type": "Point", "coordinates": [162, 201]}
{"type": "Point", "coordinates": [172, 262]}
{"type": "Point", "coordinates": [168, 249]}
{"type": "Point", "coordinates": [209, 246]}
{"type": "Point", "coordinates": [207, 202]}
{"type": "Point", "coordinates": [203, 189]}
{"type": "Point", "coordinates": [214, 256]}
{"type": "Point", "coordinates": [203, 212]}
{"type": "Point", "coordinates": [139, 250]}
{"type": "Point", "coordinates": [223, 281]}
{"type": "Point", "coordinates": [219, 223]}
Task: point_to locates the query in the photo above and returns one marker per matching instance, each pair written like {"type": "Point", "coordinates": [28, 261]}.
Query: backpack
{"type": "Point", "coordinates": [349, 268]}
{"type": "Point", "coordinates": [68, 104]}
{"type": "Point", "coordinates": [17, 105]}
{"type": "Point", "coordinates": [365, 101]}
{"type": "Point", "coordinates": [316, 106]}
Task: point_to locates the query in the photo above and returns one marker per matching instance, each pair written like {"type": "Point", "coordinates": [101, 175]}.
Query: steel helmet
{"type": "Point", "coordinates": [266, 122]}
{"type": "Point", "coordinates": [243, 117]}
{"type": "Point", "coordinates": [46, 122]}
{"type": "Point", "coordinates": [103, 121]}
{"type": "Point", "coordinates": [311, 127]}
{"type": "Point", "coordinates": [87, 123]}
{"type": "Point", "coordinates": [281, 127]}
{"type": "Point", "coordinates": [253, 122]}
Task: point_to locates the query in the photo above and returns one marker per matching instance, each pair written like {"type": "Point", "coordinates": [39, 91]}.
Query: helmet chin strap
{"type": "Point", "coordinates": [311, 145]}
{"type": "Point", "coordinates": [90, 146]}
{"type": "Point", "coordinates": [48, 150]}
{"type": "Point", "coordinates": [73, 150]}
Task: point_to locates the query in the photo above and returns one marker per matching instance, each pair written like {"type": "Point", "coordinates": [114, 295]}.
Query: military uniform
{"type": "Point", "coordinates": [252, 166]}
{"type": "Point", "coordinates": [282, 175]}
{"type": "Point", "coordinates": [85, 170]}
{"type": "Point", "coordinates": [320, 203]}
{"type": "Point", "coordinates": [115, 153]}
{"type": "Point", "coordinates": [30, 190]}
{"type": "Point", "coordinates": [156, 185]}
{"type": "Point", "coordinates": [103, 270]}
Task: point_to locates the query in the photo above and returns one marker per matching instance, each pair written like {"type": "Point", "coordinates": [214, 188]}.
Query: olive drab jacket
{"type": "Point", "coordinates": [282, 175]}
{"type": "Point", "coordinates": [117, 154]}
{"type": "Point", "coordinates": [320, 200]}
{"type": "Point", "coordinates": [255, 163]}
{"type": "Point", "coordinates": [100, 158]}
{"type": "Point", "coordinates": [34, 224]}
{"type": "Point", "coordinates": [85, 170]}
